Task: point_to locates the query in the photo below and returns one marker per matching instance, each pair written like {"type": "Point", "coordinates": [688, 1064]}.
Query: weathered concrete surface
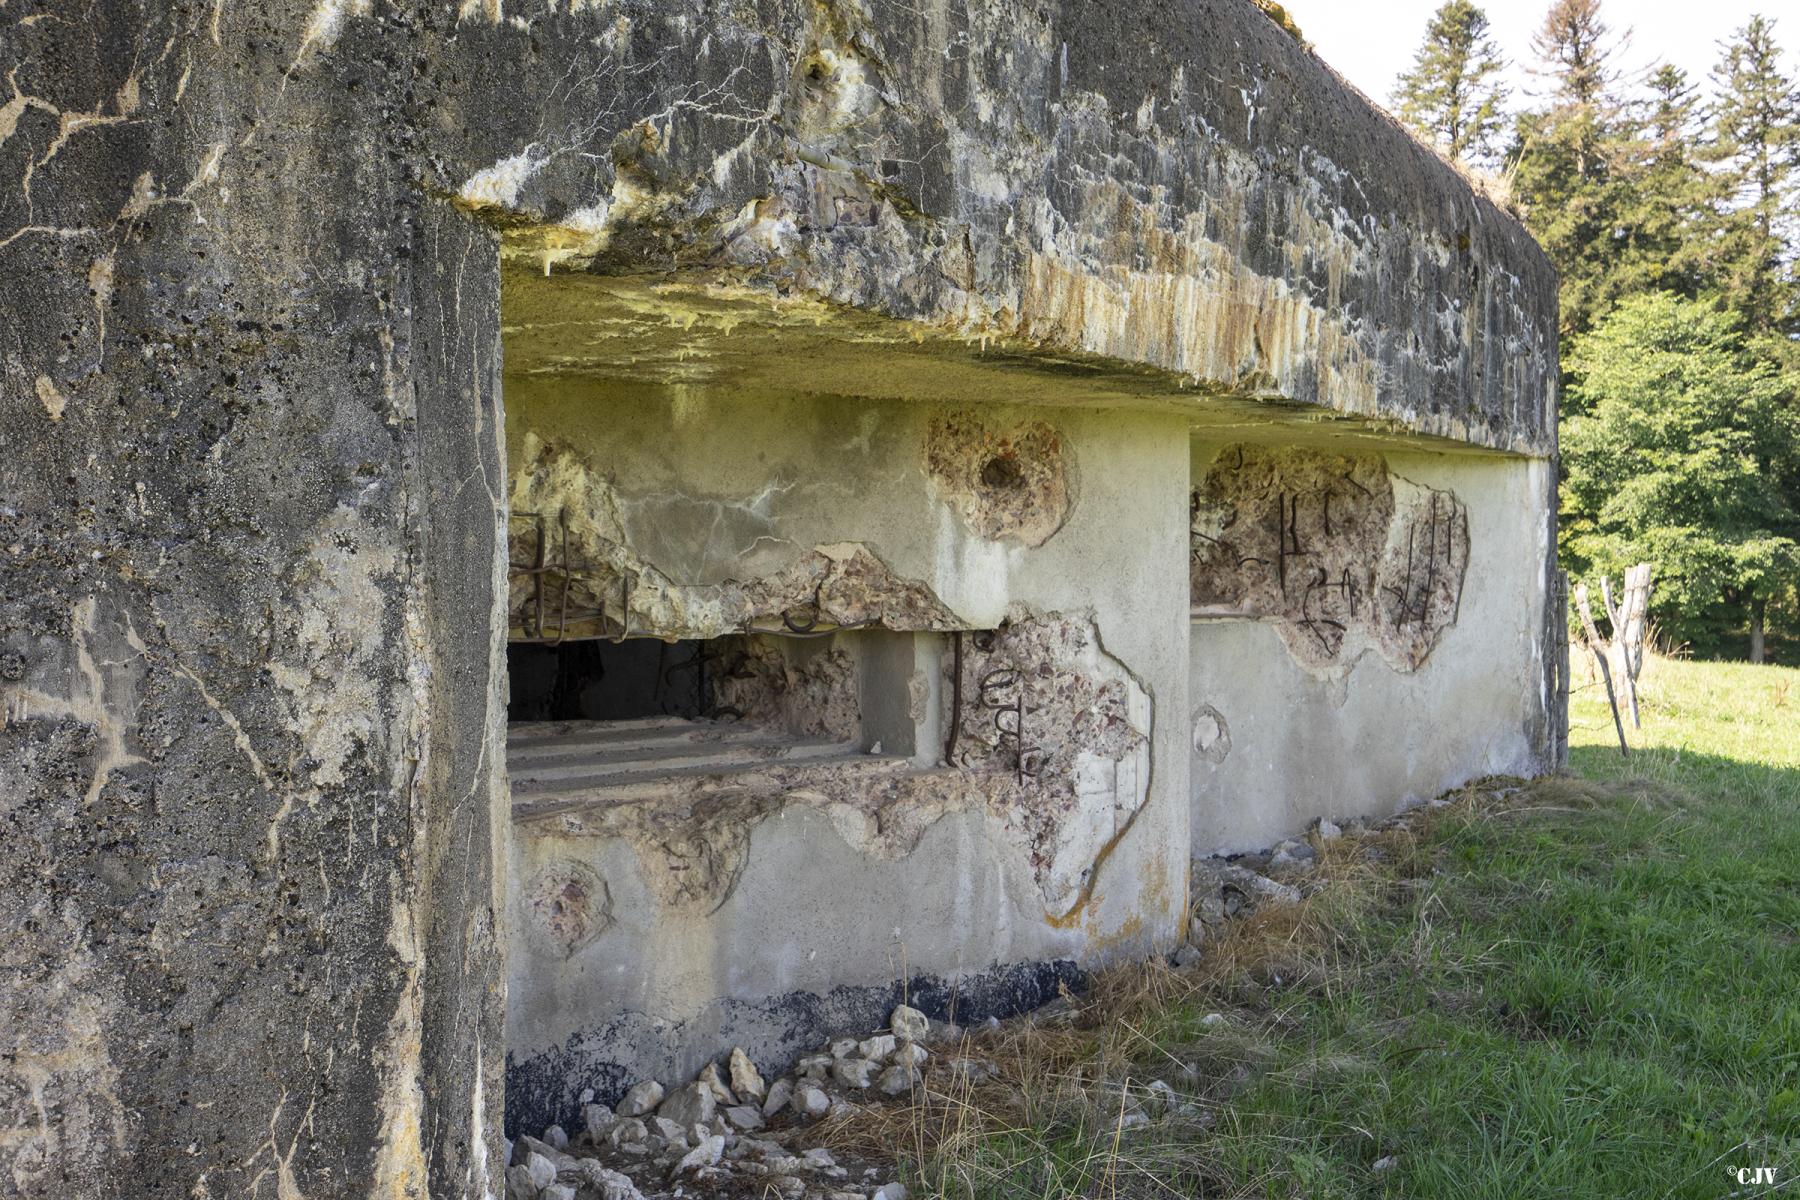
{"type": "Point", "coordinates": [249, 459]}
{"type": "Point", "coordinates": [1175, 185]}
{"type": "Point", "coordinates": [1281, 737]}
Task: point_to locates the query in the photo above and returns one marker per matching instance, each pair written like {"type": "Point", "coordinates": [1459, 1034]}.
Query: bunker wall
{"type": "Point", "coordinates": [779, 911]}
{"type": "Point", "coordinates": [1428, 685]}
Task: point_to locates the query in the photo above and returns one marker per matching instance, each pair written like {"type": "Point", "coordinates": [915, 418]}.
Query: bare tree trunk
{"type": "Point", "coordinates": [1630, 620]}
{"type": "Point", "coordinates": [1758, 611]}
{"type": "Point", "coordinates": [1599, 651]}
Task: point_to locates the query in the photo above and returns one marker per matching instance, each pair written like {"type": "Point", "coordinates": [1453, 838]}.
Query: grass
{"type": "Point", "coordinates": [1585, 987]}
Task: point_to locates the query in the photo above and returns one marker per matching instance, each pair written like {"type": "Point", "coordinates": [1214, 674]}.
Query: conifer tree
{"type": "Point", "coordinates": [1568, 158]}
{"type": "Point", "coordinates": [1668, 197]}
{"type": "Point", "coordinates": [1452, 96]}
{"type": "Point", "coordinates": [1756, 129]}
{"type": "Point", "coordinates": [1576, 51]}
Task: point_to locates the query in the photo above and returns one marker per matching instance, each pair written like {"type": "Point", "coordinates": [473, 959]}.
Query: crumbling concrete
{"type": "Point", "coordinates": [1337, 552]}
{"type": "Point", "coordinates": [1011, 484]}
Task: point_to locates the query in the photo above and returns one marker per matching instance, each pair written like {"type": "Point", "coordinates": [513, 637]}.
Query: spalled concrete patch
{"type": "Point", "coordinates": [1334, 550]}
{"type": "Point", "coordinates": [809, 696]}
{"type": "Point", "coordinates": [1045, 707]}
{"type": "Point", "coordinates": [569, 906]}
{"type": "Point", "coordinates": [1011, 483]}
{"type": "Point", "coordinates": [569, 516]}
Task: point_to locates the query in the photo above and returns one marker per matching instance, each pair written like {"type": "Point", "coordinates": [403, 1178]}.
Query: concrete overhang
{"type": "Point", "coordinates": [632, 336]}
{"type": "Point", "coordinates": [1078, 189]}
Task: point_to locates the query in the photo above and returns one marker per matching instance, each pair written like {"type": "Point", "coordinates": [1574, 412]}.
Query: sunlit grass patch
{"type": "Point", "coordinates": [1587, 986]}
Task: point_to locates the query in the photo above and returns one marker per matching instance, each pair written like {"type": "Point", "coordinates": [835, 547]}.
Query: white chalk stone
{"type": "Point", "coordinates": [641, 1099]}
{"type": "Point", "coordinates": [853, 1072]}
{"type": "Point", "coordinates": [704, 1155]}
{"type": "Point", "coordinates": [690, 1104]}
{"type": "Point", "coordinates": [543, 1171]}
{"type": "Point", "coordinates": [897, 1080]}
{"type": "Point", "coordinates": [909, 1023]}
{"type": "Point", "coordinates": [745, 1079]}
{"type": "Point", "coordinates": [910, 1055]}
{"type": "Point", "coordinates": [709, 1075]}
{"type": "Point", "coordinates": [744, 1116]}
{"type": "Point", "coordinates": [810, 1100]}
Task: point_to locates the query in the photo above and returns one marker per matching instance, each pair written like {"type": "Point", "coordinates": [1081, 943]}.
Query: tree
{"type": "Point", "coordinates": [1576, 49]}
{"type": "Point", "coordinates": [1568, 157]}
{"type": "Point", "coordinates": [1686, 456]}
{"type": "Point", "coordinates": [1667, 195]}
{"type": "Point", "coordinates": [1756, 129]}
{"type": "Point", "coordinates": [1452, 96]}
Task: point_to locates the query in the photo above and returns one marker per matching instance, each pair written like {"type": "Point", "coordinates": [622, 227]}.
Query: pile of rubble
{"type": "Point", "coordinates": [730, 1133]}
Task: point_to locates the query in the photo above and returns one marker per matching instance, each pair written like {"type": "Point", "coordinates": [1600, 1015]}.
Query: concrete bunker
{"type": "Point", "coordinates": [836, 337]}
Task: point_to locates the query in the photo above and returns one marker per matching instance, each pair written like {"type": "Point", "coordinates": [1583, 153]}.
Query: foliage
{"type": "Point", "coordinates": [1667, 197]}
{"type": "Point", "coordinates": [1661, 188]}
{"type": "Point", "coordinates": [1569, 160]}
{"type": "Point", "coordinates": [1276, 13]}
{"type": "Point", "coordinates": [1453, 96]}
{"type": "Point", "coordinates": [1685, 454]}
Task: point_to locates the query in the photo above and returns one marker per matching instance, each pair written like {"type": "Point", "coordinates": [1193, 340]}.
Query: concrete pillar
{"type": "Point", "coordinates": [249, 673]}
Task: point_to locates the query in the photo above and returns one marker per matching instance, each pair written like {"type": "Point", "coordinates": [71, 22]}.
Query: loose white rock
{"type": "Point", "coordinates": [1386, 1162]}
{"type": "Point", "coordinates": [690, 1104]}
{"type": "Point", "coordinates": [909, 1024]}
{"type": "Point", "coordinates": [853, 1072]}
{"type": "Point", "coordinates": [704, 1155]}
{"type": "Point", "coordinates": [543, 1171]}
{"type": "Point", "coordinates": [889, 1191]}
{"type": "Point", "coordinates": [1212, 1019]}
{"type": "Point", "coordinates": [556, 1137]}
{"type": "Point", "coordinates": [598, 1118]}
{"type": "Point", "coordinates": [779, 1093]}
{"type": "Point", "coordinates": [810, 1100]}
{"type": "Point", "coordinates": [671, 1132]}
{"type": "Point", "coordinates": [609, 1184]}
{"type": "Point", "coordinates": [898, 1079]}
{"type": "Point", "coordinates": [843, 1048]}
{"type": "Point", "coordinates": [709, 1075]}
{"type": "Point", "coordinates": [910, 1055]}
{"type": "Point", "coordinates": [518, 1183]}
{"type": "Point", "coordinates": [558, 1191]}
{"type": "Point", "coordinates": [744, 1116]}
{"type": "Point", "coordinates": [877, 1047]}
{"type": "Point", "coordinates": [745, 1080]}
{"type": "Point", "coordinates": [641, 1099]}
{"type": "Point", "coordinates": [1329, 829]}
{"type": "Point", "coordinates": [629, 1129]}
